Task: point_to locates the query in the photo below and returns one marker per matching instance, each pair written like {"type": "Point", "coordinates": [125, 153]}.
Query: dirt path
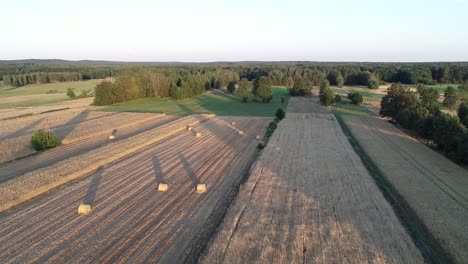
{"type": "Point", "coordinates": [310, 199]}
{"type": "Point", "coordinates": [433, 186]}
{"type": "Point", "coordinates": [132, 221]}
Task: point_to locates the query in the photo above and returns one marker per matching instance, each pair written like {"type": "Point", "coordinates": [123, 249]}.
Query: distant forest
{"type": "Point", "coordinates": [280, 73]}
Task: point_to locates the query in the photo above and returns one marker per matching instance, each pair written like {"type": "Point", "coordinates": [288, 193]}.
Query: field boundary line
{"type": "Point", "coordinates": [427, 244]}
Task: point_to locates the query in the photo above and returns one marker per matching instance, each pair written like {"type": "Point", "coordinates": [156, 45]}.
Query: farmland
{"type": "Point", "coordinates": [131, 220]}
{"type": "Point", "coordinates": [40, 94]}
{"type": "Point", "coordinates": [432, 186]}
{"type": "Point", "coordinates": [309, 198]}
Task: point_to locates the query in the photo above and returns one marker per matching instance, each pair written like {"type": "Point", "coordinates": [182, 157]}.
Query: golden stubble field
{"type": "Point", "coordinates": [310, 199]}
{"type": "Point", "coordinates": [433, 186]}
{"type": "Point", "coordinates": [130, 220]}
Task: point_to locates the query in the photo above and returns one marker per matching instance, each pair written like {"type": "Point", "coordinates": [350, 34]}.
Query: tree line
{"type": "Point", "coordinates": [150, 82]}
{"type": "Point", "coordinates": [40, 77]}
{"type": "Point", "coordinates": [420, 112]}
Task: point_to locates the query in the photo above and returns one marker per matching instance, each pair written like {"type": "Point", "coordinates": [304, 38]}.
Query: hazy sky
{"type": "Point", "coordinates": [214, 30]}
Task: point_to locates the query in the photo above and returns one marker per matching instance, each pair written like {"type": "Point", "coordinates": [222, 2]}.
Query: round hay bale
{"type": "Point", "coordinates": [198, 135]}
{"type": "Point", "coordinates": [189, 128]}
{"type": "Point", "coordinates": [241, 132]}
{"type": "Point", "coordinates": [201, 188]}
{"type": "Point", "coordinates": [111, 137]}
{"type": "Point", "coordinates": [233, 123]}
{"type": "Point", "coordinates": [257, 137]}
{"type": "Point", "coordinates": [84, 209]}
{"type": "Point", "coordinates": [162, 187]}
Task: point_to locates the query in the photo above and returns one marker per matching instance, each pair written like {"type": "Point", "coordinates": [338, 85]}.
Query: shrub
{"type": "Point", "coordinates": [337, 98]}
{"type": "Point", "coordinates": [356, 98]}
{"type": "Point", "coordinates": [450, 97]}
{"type": "Point", "coordinates": [103, 93]}
{"type": "Point", "coordinates": [42, 139]}
{"type": "Point", "coordinates": [261, 145]}
{"type": "Point", "coordinates": [71, 93]}
{"type": "Point", "coordinates": [324, 85]}
{"type": "Point", "coordinates": [280, 114]}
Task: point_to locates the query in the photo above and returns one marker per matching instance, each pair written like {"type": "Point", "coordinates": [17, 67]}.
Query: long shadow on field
{"type": "Point", "coordinates": [24, 130]}
{"type": "Point", "coordinates": [66, 129]}
{"type": "Point", "coordinates": [192, 175]}
{"type": "Point", "coordinates": [90, 197]}
{"type": "Point", "coordinates": [157, 170]}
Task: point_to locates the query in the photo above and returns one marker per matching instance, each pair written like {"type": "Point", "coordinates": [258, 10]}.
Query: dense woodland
{"type": "Point", "coordinates": [281, 73]}
{"type": "Point", "coordinates": [421, 113]}
{"type": "Point", "coordinates": [40, 77]}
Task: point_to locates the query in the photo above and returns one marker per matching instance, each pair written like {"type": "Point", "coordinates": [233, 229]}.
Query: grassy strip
{"type": "Point", "coordinates": [430, 248]}
{"type": "Point", "coordinates": [38, 182]}
{"type": "Point", "coordinates": [18, 116]}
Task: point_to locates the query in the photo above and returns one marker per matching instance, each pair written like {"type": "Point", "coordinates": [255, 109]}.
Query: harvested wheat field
{"type": "Point", "coordinates": [78, 147]}
{"type": "Point", "coordinates": [32, 110]}
{"type": "Point", "coordinates": [78, 127]}
{"type": "Point", "coordinates": [309, 199]}
{"type": "Point", "coordinates": [129, 219]}
{"type": "Point", "coordinates": [433, 186]}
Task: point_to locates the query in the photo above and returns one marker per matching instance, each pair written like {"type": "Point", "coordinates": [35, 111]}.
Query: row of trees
{"type": "Point", "coordinates": [420, 112]}
{"type": "Point", "coordinates": [144, 82]}
{"type": "Point", "coordinates": [40, 77]}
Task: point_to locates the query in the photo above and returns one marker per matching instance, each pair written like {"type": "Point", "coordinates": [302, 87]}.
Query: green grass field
{"type": "Point", "coordinates": [439, 87]}
{"type": "Point", "coordinates": [208, 103]}
{"type": "Point", "coordinates": [39, 94]}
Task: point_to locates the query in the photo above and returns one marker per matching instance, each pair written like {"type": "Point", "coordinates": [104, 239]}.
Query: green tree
{"type": "Point", "coordinates": [398, 99]}
{"type": "Point", "coordinates": [280, 114]}
{"type": "Point", "coordinates": [337, 98]}
{"type": "Point", "coordinates": [356, 98]}
{"type": "Point", "coordinates": [327, 97]}
{"type": "Point", "coordinates": [243, 90]}
{"type": "Point", "coordinates": [450, 97]}
{"type": "Point", "coordinates": [429, 98]}
{"type": "Point", "coordinates": [373, 82]}
{"type": "Point", "coordinates": [324, 85]}
{"type": "Point", "coordinates": [262, 89]}
{"type": "Point", "coordinates": [339, 80]}
{"type": "Point", "coordinates": [463, 113]}
{"type": "Point", "coordinates": [231, 86]}
{"type": "Point", "coordinates": [71, 93]}
{"type": "Point", "coordinates": [42, 139]}
{"type": "Point", "coordinates": [103, 93]}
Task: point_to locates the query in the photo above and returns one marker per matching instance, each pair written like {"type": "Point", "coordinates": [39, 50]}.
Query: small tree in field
{"type": "Point", "coordinates": [262, 89]}
{"type": "Point", "coordinates": [231, 86]}
{"type": "Point", "coordinates": [42, 139]}
{"type": "Point", "coordinates": [71, 93]}
{"type": "Point", "coordinates": [243, 90]}
{"type": "Point", "coordinates": [324, 85]}
{"type": "Point", "coordinates": [280, 114]}
{"type": "Point", "coordinates": [327, 97]}
{"type": "Point", "coordinates": [356, 98]}
{"type": "Point", "coordinates": [450, 97]}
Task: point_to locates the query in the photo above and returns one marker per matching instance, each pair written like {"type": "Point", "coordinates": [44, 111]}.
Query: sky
{"type": "Point", "coordinates": [236, 30]}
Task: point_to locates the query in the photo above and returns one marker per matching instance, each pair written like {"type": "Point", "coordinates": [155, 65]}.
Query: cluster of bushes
{"type": "Point", "coordinates": [279, 115]}
{"type": "Point", "coordinates": [43, 139]}
{"type": "Point", "coordinates": [355, 98]}
{"type": "Point", "coordinates": [40, 77]}
{"type": "Point", "coordinates": [146, 83]}
{"type": "Point", "coordinates": [301, 87]}
{"type": "Point", "coordinates": [420, 112]}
